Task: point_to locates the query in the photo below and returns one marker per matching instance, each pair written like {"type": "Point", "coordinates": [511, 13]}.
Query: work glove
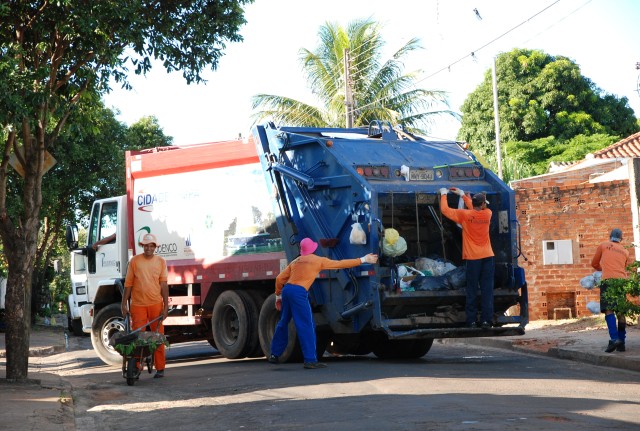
{"type": "Point", "coordinates": [443, 191]}
{"type": "Point", "coordinates": [370, 258]}
{"type": "Point", "coordinates": [279, 302]}
{"type": "Point", "coordinates": [457, 191]}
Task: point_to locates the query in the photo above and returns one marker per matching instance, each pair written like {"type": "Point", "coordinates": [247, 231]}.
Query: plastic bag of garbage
{"type": "Point", "coordinates": [588, 282]}
{"type": "Point", "coordinates": [597, 277]}
{"type": "Point", "coordinates": [391, 235]}
{"type": "Point", "coordinates": [430, 283]}
{"type": "Point", "coordinates": [594, 307]}
{"type": "Point", "coordinates": [358, 236]}
{"type": "Point", "coordinates": [436, 267]}
{"type": "Point", "coordinates": [396, 249]}
{"type": "Point", "coordinates": [457, 278]}
{"type": "Point", "coordinates": [393, 244]}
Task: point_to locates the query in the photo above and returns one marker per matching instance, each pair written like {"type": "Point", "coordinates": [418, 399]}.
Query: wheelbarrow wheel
{"type": "Point", "coordinates": [132, 371]}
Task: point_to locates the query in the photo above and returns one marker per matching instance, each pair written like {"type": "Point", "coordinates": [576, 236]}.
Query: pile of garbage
{"type": "Point", "coordinates": [430, 274]}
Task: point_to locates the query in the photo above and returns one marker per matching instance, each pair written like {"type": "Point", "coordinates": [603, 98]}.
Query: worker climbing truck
{"type": "Point", "coordinates": [229, 217]}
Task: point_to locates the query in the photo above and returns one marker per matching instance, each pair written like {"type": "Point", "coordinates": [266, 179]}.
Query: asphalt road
{"type": "Point", "coordinates": [454, 387]}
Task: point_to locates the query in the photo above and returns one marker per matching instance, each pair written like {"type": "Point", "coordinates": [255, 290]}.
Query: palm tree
{"type": "Point", "coordinates": [380, 91]}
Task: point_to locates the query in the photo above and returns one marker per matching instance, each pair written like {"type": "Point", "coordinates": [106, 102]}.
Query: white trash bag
{"type": "Point", "coordinates": [588, 282]}
{"type": "Point", "coordinates": [594, 307]}
{"type": "Point", "coordinates": [393, 244]}
{"type": "Point", "coordinates": [358, 236]}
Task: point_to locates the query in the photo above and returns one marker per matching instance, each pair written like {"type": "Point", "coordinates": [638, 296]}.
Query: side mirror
{"type": "Point", "coordinates": [71, 236]}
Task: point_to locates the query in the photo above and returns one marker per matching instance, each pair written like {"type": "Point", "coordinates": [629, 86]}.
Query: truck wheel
{"type": "Point", "coordinates": [351, 344]}
{"type": "Point", "coordinates": [269, 318]}
{"type": "Point", "coordinates": [402, 349]}
{"type": "Point", "coordinates": [231, 324]}
{"type": "Point", "coordinates": [107, 322]}
{"type": "Point", "coordinates": [420, 348]}
{"type": "Point", "coordinates": [132, 366]}
{"type": "Point", "coordinates": [253, 312]}
{"type": "Point", "coordinates": [257, 298]}
{"type": "Point", "coordinates": [74, 326]}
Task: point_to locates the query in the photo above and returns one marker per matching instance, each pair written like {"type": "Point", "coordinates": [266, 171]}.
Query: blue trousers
{"type": "Point", "coordinates": [480, 274]}
{"type": "Point", "coordinates": [295, 303]}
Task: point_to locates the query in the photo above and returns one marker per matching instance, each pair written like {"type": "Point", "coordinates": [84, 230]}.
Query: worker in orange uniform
{"type": "Point", "coordinates": [292, 299]}
{"type": "Point", "coordinates": [612, 259]}
{"type": "Point", "coordinates": [476, 251]}
{"type": "Point", "coordinates": [146, 285]}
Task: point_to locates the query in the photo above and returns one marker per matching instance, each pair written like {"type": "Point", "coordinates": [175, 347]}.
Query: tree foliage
{"type": "Point", "coordinates": [539, 152]}
{"type": "Point", "coordinates": [381, 91]}
{"type": "Point", "coordinates": [52, 54]}
{"type": "Point", "coordinates": [542, 97]}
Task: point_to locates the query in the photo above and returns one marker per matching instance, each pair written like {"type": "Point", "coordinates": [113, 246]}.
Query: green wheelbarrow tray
{"type": "Point", "coordinates": [141, 343]}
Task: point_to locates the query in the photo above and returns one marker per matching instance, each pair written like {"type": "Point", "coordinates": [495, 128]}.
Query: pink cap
{"type": "Point", "coordinates": [307, 246]}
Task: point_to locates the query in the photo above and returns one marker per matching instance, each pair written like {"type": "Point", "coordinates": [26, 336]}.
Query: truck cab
{"type": "Point", "coordinates": [97, 275]}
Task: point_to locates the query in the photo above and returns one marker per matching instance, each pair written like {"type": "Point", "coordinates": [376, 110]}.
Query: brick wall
{"type": "Point", "coordinates": [567, 208]}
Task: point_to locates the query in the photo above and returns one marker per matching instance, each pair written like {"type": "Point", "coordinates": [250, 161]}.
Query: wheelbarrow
{"type": "Point", "coordinates": [137, 348]}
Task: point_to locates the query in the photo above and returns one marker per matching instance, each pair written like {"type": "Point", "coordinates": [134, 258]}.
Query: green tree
{"type": "Point", "coordinates": [540, 152]}
{"type": "Point", "coordinates": [52, 54]}
{"type": "Point", "coordinates": [380, 89]}
{"type": "Point", "coordinates": [146, 133]}
{"type": "Point", "coordinates": [90, 165]}
{"type": "Point", "coordinates": [541, 96]}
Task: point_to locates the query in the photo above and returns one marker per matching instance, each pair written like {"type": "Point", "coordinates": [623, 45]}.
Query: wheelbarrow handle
{"type": "Point", "coordinates": [148, 323]}
{"type": "Point", "coordinates": [145, 325]}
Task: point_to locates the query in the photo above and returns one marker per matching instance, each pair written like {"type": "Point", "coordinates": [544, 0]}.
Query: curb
{"type": "Point", "coordinates": [39, 351]}
{"type": "Point", "coordinates": [599, 359]}
{"type": "Point", "coordinates": [605, 360]}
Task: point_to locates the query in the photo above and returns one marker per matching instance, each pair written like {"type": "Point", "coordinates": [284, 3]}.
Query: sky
{"type": "Point", "coordinates": [459, 45]}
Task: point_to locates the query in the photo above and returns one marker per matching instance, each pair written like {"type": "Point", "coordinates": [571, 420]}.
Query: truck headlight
{"type": "Point", "coordinates": [81, 290]}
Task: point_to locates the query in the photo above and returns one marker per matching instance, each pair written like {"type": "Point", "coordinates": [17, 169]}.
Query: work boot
{"type": "Point", "coordinates": [613, 345]}
{"type": "Point", "coordinates": [486, 325]}
{"type": "Point", "coordinates": [273, 359]}
{"type": "Point", "coordinates": [159, 374]}
{"type": "Point", "coordinates": [621, 348]}
{"type": "Point", "coordinates": [314, 365]}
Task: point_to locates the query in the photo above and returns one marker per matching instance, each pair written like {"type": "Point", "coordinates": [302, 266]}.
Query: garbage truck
{"type": "Point", "coordinates": [229, 216]}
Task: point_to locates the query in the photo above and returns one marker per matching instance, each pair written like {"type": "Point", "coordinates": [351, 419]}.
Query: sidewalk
{"type": "Point", "coordinates": [44, 401]}
{"type": "Point", "coordinates": [582, 340]}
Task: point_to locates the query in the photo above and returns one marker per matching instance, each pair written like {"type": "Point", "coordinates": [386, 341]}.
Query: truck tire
{"type": "Point", "coordinates": [269, 318]}
{"type": "Point", "coordinates": [351, 344]}
{"type": "Point", "coordinates": [420, 348]}
{"type": "Point", "coordinates": [257, 297]}
{"type": "Point", "coordinates": [107, 322]}
{"type": "Point", "coordinates": [402, 349]}
{"type": "Point", "coordinates": [75, 326]}
{"type": "Point", "coordinates": [231, 324]}
{"type": "Point", "coordinates": [253, 313]}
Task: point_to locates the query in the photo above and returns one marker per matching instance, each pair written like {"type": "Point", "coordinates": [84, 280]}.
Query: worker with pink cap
{"type": "Point", "coordinates": [292, 299]}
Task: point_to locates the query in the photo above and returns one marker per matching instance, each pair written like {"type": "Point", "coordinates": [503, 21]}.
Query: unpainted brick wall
{"type": "Point", "coordinates": [581, 212]}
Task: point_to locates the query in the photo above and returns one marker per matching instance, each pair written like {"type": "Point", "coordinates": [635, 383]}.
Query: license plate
{"type": "Point", "coordinates": [420, 175]}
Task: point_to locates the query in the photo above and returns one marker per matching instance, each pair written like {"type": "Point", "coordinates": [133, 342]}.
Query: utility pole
{"type": "Point", "coordinates": [496, 117]}
{"type": "Point", "coordinates": [348, 93]}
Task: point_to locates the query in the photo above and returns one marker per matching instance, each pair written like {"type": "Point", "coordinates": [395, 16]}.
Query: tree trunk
{"type": "Point", "coordinates": [18, 321]}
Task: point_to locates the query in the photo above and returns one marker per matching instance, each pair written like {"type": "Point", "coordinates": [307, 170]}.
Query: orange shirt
{"type": "Point", "coordinates": [612, 259]}
{"type": "Point", "coordinates": [304, 270]}
{"type": "Point", "coordinates": [144, 277]}
{"type": "Point", "coordinates": [476, 243]}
